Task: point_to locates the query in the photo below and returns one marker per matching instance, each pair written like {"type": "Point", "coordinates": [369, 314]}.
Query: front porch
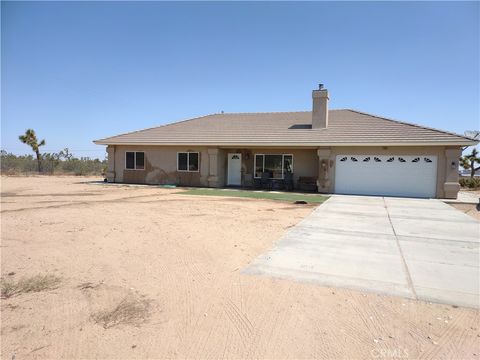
{"type": "Point", "coordinates": [287, 169]}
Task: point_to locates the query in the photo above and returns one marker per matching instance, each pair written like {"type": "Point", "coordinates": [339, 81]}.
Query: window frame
{"type": "Point", "coordinates": [135, 160]}
{"type": "Point", "coordinates": [263, 165]}
{"type": "Point", "coordinates": [188, 161]}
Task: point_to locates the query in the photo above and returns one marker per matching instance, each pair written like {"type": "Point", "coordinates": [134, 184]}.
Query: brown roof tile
{"type": "Point", "coordinates": [346, 127]}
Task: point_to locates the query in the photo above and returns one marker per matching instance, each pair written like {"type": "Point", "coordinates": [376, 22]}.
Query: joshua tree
{"type": "Point", "coordinates": [65, 154]}
{"type": "Point", "coordinates": [468, 162]}
{"type": "Point", "coordinates": [31, 140]}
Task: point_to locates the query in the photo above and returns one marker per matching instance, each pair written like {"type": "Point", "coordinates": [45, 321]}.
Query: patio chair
{"type": "Point", "coordinates": [265, 181]}
{"type": "Point", "coordinates": [306, 183]}
{"type": "Point", "coordinates": [288, 181]}
{"type": "Point", "coordinates": [277, 184]}
{"type": "Point", "coordinates": [257, 183]}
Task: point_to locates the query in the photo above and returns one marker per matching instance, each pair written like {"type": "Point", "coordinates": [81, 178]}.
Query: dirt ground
{"type": "Point", "coordinates": [470, 209]}
{"type": "Point", "coordinates": [147, 273]}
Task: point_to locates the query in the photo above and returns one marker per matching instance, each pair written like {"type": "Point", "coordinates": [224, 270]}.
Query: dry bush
{"type": "Point", "coordinates": [471, 182]}
{"type": "Point", "coordinates": [130, 311]}
{"type": "Point", "coordinates": [8, 288]}
{"type": "Point", "coordinates": [25, 285]}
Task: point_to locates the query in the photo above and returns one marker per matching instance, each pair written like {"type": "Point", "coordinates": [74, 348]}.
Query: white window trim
{"type": "Point", "coordinates": [188, 160]}
{"type": "Point", "coordinates": [135, 160]}
{"type": "Point", "coordinates": [263, 165]}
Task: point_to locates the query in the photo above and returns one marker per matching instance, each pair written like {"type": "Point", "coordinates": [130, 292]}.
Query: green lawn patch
{"type": "Point", "coordinates": [269, 195]}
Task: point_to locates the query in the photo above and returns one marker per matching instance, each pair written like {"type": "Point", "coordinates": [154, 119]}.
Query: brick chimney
{"type": "Point", "coordinates": [320, 108]}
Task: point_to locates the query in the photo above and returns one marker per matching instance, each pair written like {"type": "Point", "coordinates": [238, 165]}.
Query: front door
{"type": "Point", "coordinates": [234, 170]}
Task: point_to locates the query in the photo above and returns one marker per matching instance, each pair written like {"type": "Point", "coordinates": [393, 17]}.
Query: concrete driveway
{"type": "Point", "coordinates": [415, 248]}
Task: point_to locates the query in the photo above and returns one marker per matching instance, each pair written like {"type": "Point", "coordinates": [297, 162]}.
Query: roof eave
{"type": "Point", "coordinates": [411, 143]}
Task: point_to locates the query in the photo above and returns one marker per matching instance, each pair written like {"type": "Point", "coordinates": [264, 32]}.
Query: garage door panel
{"type": "Point", "coordinates": [391, 175]}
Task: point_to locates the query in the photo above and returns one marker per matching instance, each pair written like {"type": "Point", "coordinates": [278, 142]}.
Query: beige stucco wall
{"type": "Point", "coordinates": [161, 164]}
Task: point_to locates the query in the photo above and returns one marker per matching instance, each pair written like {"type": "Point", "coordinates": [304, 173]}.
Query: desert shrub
{"type": "Point", "coordinates": [471, 183]}
{"type": "Point", "coordinates": [84, 166]}
{"type": "Point", "coordinates": [14, 164]}
{"type": "Point", "coordinates": [50, 162]}
{"type": "Point", "coordinates": [130, 311]}
{"type": "Point", "coordinates": [8, 288]}
{"type": "Point", "coordinates": [36, 283]}
{"type": "Point", "coordinates": [62, 162]}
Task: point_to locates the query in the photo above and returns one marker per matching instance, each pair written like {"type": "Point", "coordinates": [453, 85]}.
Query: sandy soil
{"type": "Point", "coordinates": [147, 273]}
{"type": "Point", "coordinates": [470, 209]}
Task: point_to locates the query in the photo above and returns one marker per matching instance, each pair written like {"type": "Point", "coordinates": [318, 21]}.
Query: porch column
{"type": "Point", "coordinates": [110, 175]}
{"type": "Point", "coordinates": [324, 167]}
{"type": "Point", "coordinates": [213, 170]}
{"type": "Point", "coordinates": [451, 185]}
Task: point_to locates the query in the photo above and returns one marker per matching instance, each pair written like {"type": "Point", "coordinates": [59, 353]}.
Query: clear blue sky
{"type": "Point", "coordinates": [80, 71]}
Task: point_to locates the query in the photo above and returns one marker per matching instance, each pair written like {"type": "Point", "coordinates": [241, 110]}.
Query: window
{"type": "Point", "coordinates": [288, 163]}
{"type": "Point", "coordinates": [274, 164]}
{"type": "Point", "coordinates": [140, 160]}
{"type": "Point", "coordinates": [135, 160]}
{"type": "Point", "coordinates": [258, 165]}
{"type": "Point", "coordinates": [182, 162]}
{"type": "Point", "coordinates": [187, 161]}
{"type": "Point", "coordinates": [130, 160]}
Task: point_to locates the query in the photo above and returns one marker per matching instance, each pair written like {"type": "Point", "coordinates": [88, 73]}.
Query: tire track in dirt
{"type": "Point", "coordinates": [404, 317]}
{"type": "Point", "coordinates": [271, 320]}
{"type": "Point", "coordinates": [210, 319]}
{"type": "Point", "coordinates": [357, 337]}
{"type": "Point", "coordinates": [459, 345]}
{"type": "Point", "coordinates": [332, 325]}
{"type": "Point", "coordinates": [242, 317]}
{"type": "Point", "coordinates": [83, 203]}
{"type": "Point", "coordinates": [194, 308]}
{"type": "Point", "coordinates": [238, 291]}
{"type": "Point", "coordinates": [227, 338]}
{"type": "Point", "coordinates": [238, 294]}
{"type": "Point", "coordinates": [51, 195]}
{"type": "Point", "coordinates": [335, 324]}
{"type": "Point", "coordinates": [207, 323]}
{"type": "Point", "coordinates": [173, 293]}
{"type": "Point", "coordinates": [68, 324]}
{"type": "Point", "coordinates": [238, 321]}
{"type": "Point", "coordinates": [188, 307]}
{"type": "Point", "coordinates": [446, 338]}
{"type": "Point", "coordinates": [202, 349]}
{"type": "Point", "coordinates": [233, 308]}
{"type": "Point", "coordinates": [375, 326]}
{"type": "Point", "coordinates": [193, 278]}
{"type": "Point", "coordinates": [325, 350]}
{"type": "Point", "coordinates": [201, 319]}
{"type": "Point", "coordinates": [191, 265]}
{"type": "Point", "coordinates": [442, 340]}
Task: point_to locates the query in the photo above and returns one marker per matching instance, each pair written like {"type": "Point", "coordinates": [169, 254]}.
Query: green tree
{"type": "Point", "coordinates": [31, 140]}
{"type": "Point", "coordinates": [468, 162]}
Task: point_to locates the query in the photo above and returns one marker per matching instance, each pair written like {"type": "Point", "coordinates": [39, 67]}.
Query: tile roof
{"type": "Point", "coordinates": [346, 127]}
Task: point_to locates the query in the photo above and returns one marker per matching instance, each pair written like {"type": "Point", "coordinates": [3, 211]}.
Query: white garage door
{"type": "Point", "coordinates": [392, 175]}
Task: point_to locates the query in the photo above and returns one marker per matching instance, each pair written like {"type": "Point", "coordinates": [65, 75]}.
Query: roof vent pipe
{"type": "Point", "coordinates": [320, 108]}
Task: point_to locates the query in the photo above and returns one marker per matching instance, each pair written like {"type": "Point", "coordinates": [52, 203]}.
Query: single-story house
{"type": "Point", "coordinates": [341, 151]}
